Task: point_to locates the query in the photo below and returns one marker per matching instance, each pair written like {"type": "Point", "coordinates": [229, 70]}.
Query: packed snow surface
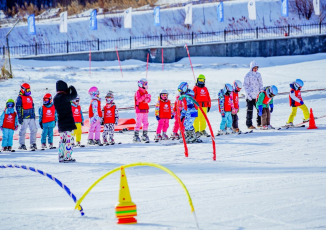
{"type": "Point", "coordinates": [263, 180]}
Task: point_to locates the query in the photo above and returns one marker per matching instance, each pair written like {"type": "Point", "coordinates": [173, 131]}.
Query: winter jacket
{"type": "Point", "coordinates": [252, 83]}
{"type": "Point", "coordinates": [191, 108]}
{"type": "Point", "coordinates": [24, 114]}
{"type": "Point", "coordinates": [202, 96]}
{"type": "Point", "coordinates": [62, 105]}
{"type": "Point", "coordinates": [158, 104]}
{"type": "Point", "coordinates": [51, 123]}
{"type": "Point", "coordinates": [116, 112]}
{"type": "Point", "coordinates": [142, 96]}
{"type": "Point", "coordinates": [260, 101]}
{"type": "Point", "coordinates": [8, 111]}
{"type": "Point", "coordinates": [295, 99]}
{"type": "Point", "coordinates": [221, 102]}
{"type": "Point", "coordinates": [96, 110]}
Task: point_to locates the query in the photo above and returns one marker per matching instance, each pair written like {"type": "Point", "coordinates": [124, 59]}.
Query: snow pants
{"type": "Point", "coordinates": [226, 121]}
{"type": "Point", "coordinates": [7, 137]}
{"type": "Point", "coordinates": [176, 125]}
{"type": "Point", "coordinates": [200, 121]}
{"type": "Point", "coordinates": [65, 145]}
{"type": "Point", "coordinates": [141, 119]}
{"type": "Point", "coordinates": [47, 132]}
{"type": "Point", "coordinates": [33, 130]}
{"type": "Point", "coordinates": [266, 117]}
{"type": "Point", "coordinates": [304, 109]}
{"type": "Point", "coordinates": [235, 119]}
{"type": "Point", "coordinates": [163, 124]}
{"type": "Point", "coordinates": [189, 120]}
{"type": "Point", "coordinates": [94, 128]}
{"type": "Point", "coordinates": [78, 132]}
{"type": "Point", "coordinates": [108, 130]}
{"type": "Point", "coordinates": [250, 109]}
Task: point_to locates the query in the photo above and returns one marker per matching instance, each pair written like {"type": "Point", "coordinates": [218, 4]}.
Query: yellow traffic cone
{"type": "Point", "coordinates": [125, 209]}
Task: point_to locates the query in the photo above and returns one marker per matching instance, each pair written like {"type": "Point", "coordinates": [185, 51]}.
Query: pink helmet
{"type": "Point", "coordinates": [93, 91]}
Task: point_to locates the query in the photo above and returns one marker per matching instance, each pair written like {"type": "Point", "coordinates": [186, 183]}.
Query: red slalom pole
{"type": "Point", "coordinates": [90, 62]}
{"type": "Point", "coordinates": [190, 62]}
{"type": "Point", "coordinates": [119, 60]}
{"type": "Point", "coordinates": [162, 60]}
{"type": "Point", "coordinates": [147, 65]}
{"type": "Point", "coordinates": [182, 129]}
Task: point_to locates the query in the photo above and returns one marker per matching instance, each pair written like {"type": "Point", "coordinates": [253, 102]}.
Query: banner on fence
{"type": "Point", "coordinates": [127, 18]}
{"type": "Point", "coordinates": [64, 22]}
{"type": "Point", "coordinates": [93, 20]}
{"type": "Point", "coordinates": [188, 9]}
{"type": "Point", "coordinates": [31, 24]}
{"type": "Point", "coordinates": [220, 12]}
{"type": "Point", "coordinates": [157, 16]}
{"type": "Point", "coordinates": [317, 7]}
{"type": "Point", "coordinates": [285, 8]}
{"type": "Point", "coordinates": [252, 9]}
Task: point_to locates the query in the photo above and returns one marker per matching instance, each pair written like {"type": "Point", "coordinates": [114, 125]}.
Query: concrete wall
{"type": "Point", "coordinates": [254, 48]}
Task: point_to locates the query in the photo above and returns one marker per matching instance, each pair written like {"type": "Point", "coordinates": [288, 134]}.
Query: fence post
{"type": "Point", "coordinates": [4, 51]}
{"type": "Point", "coordinates": [161, 40]}
{"type": "Point", "coordinates": [130, 42]}
{"type": "Point", "coordinates": [319, 27]}
{"type": "Point", "coordinates": [36, 49]}
{"type": "Point", "coordinates": [225, 35]}
{"type": "Point", "coordinates": [192, 38]}
{"type": "Point", "coordinates": [67, 47]}
{"type": "Point", "coordinates": [288, 29]}
{"type": "Point", "coordinates": [256, 32]}
{"type": "Point", "coordinates": [98, 44]}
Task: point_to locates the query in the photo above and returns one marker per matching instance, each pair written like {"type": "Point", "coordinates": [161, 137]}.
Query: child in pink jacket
{"type": "Point", "coordinates": [95, 117]}
{"type": "Point", "coordinates": [142, 98]}
{"type": "Point", "coordinates": [176, 126]}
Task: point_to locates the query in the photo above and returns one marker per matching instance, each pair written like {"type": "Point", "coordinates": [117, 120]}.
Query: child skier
{"type": "Point", "coordinates": [188, 113]}
{"type": "Point", "coordinates": [264, 104]}
{"type": "Point", "coordinates": [237, 85]}
{"type": "Point", "coordinates": [225, 105]}
{"type": "Point", "coordinates": [95, 117]}
{"type": "Point", "coordinates": [176, 126]}
{"type": "Point", "coordinates": [203, 98]}
{"type": "Point", "coordinates": [110, 118]}
{"type": "Point", "coordinates": [8, 123]}
{"type": "Point", "coordinates": [296, 102]}
{"type": "Point", "coordinates": [79, 120]}
{"type": "Point", "coordinates": [26, 116]}
{"type": "Point", "coordinates": [142, 98]}
{"type": "Point", "coordinates": [47, 119]}
{"type": "Point", "coordinates": [163, 112]}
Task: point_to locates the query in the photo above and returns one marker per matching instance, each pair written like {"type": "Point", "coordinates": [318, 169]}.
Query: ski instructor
{"type": "Point", "coordinates": [252, 84]}
{"type": "Point", "coordinates": [66, 122]}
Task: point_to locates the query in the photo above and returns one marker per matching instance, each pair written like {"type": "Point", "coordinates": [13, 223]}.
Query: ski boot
{"type": "Point", "coordinates": [33, 147]}
{"type": "Point", "coordinates": [204, 133]}
{"type": "Point", "coordinates": [289, 124]}
{"type": "Point", "coordinates": [68, 160]}
{"type": "Point", "coordinates": [165, 137]}
{"type": "Point", "coordinates": [4, 149]}
{"type": "Point", "coordinates": [229, 131]}
{"type": "Point", "coordinates": [98, 142]}
{"type": "Point", "coordinates": [270, 127]}
{"type": "Point", "coordinates": [105, 142]}
{"type": "Point", "coordinates": [136, 138]}
{"type": "Point", "coordinates": [305, 120]}
{"type": "Point", "coordinates": [111, 141]}
{"type": "Point", "coordinates": [90, 142]}
{"type": "Point", "coordinates": [51, 146]}
{"type": "Point", "coordinates": [265, 127]}
{"type": "Point", "coordinates": [175, 136]}
{"type": "Point", "coordinates": [221, 132]}
{"type": "Point", "coordinates": [252, 127]}
{"type": "Point", "coordinates": [158, 137]}
{"type": "Point", "coordinates": [79, 144]}
{"type": "Point", "coordinates": [22, 147]}
{"type": "Point", "coordinates": [145, 137]}
{"type": "Point", "coordinates": [43, 146]}
{"type": "Point", "coordinates": [191, 136]}
{"type": "Point", "coordinates": [198, 134]}
{"type": "Point", "coordinates": [10, 149]}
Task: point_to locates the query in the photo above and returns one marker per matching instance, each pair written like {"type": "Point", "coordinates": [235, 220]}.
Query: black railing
{"type": "Point", "coordinates": [165, 40]}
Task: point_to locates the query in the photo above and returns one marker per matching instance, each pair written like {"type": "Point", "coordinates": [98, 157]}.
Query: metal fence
{"type": "Point", "coordinates": [165, 40]}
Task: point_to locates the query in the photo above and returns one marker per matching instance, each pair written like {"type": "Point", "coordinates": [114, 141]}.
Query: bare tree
{"type": "Point", "coordinates": [304, 8]}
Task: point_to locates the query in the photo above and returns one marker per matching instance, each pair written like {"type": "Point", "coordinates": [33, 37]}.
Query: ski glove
{"type": "Point", "coordinates": [82, 124]}
{"type": "Point", "coordinates": [223, 115]}
{"type": "Point", "coordinates": [272, 107]}
{"type": "Point", "coordinates": [301, 102]}
{"type": "Point", "coordinates": [260, 108]}
{"type": "Point", "coordinates": [41, 125]}
{"type": "Point", "coordinates": [172, 117]}
{"type": "Point", "coordinates": [208, 109]}
{"type": "Point", "coordinates": [158, 118]}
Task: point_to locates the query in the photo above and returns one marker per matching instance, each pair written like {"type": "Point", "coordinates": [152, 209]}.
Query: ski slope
{"type": "Point", "coordinates": [264, 180]}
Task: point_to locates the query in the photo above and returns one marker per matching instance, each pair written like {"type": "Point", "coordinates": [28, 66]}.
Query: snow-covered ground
{"type": "Point", "coordinates": [263, 180]}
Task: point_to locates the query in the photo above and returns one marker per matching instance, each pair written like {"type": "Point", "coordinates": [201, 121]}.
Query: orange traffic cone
{"type": "Point", "coordinates": [312, 124]}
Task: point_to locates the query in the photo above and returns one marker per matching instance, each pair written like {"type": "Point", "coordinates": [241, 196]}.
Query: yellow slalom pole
{"type": "Point", "coordinates": [135, 165]}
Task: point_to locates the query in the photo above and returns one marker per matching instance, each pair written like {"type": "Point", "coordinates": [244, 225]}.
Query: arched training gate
{"type": "Point", "coordinates": [135, 165]}
{"type": "Point", "coordinates": [51, 178]}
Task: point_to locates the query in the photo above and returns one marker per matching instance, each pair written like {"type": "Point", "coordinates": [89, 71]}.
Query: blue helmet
{"type": "Point", "coordinates": [227, 88]}
{"type": "Point", "coordinates": [298, 84]}
{"type": "Point", "coordinates": [183, 87]}
{"type": "Point", "coordinates": [237, 85]}
{"type": "Point", "coordinates": [272, 91]}
{"type": "Point", "coordinates": [142, 83]}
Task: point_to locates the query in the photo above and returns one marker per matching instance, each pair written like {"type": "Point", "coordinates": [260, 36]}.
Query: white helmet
{"type": "Point", "coordinates": [237, 85]}
{"type": "Point", "coordinates": [227, 88]}
{"type": "Point", "coordinates": [142, 83]}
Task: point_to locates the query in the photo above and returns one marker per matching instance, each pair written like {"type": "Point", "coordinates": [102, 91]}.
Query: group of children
{"type": "Point", "coordinates": [185, 110]}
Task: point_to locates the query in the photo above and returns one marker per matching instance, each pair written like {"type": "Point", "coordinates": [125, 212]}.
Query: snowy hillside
{"type": "Point", "coordinates": [111, 26]}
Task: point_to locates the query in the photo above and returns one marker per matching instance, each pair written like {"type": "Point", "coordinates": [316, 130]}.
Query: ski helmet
{"type": "Point", "coordinates": [201, 80]}
{"type": "Point", "coordinates": [25, 89]}
{"type": "Point", "coordinates": [237, 85]}
{"type": "Point", "coordinates": [47, 99]}
{"type": "Point", "coordinates": [93, 92]}
{"type": "Point", "coordinates": [298, 84]}
{"type": "Point", "coordinates": [143, 83]}
{"type": "Point", "coordinates": [76, 100]}
{"type": "Point", "coordinates": [271, 91]}
{"type": "Point", "coordinates": [164, 94]}
{"type": "Point", "coordinates": [183, 87]}
{"type": "Point", "coordinates": [227, 88]}
{"type": "Point", "coordinates": [10, 103]}
{"type": "Point", "coordinates": [109, 97]}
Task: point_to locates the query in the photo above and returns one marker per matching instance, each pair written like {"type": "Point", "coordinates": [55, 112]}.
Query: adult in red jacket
{"type": "Point", "coordinates": [204, 100]}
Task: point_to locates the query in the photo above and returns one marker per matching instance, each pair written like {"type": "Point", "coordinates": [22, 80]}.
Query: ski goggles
{"type": "Point", "coordinates": [77, 101]}
{"type": "Point", "coordinates": [201, 80]}
{"type": "Point", "coordinates": [10, 105]}
{"type": "Point", "coordinates": [164, 95]}
{"type": "Point", "coordinates": [46, 101]}
{"type": "Point", "coordinates": [27, 90]}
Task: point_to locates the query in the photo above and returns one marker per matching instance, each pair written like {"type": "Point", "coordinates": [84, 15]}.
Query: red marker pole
{"type": "Point", "coordinates": [190, 62]}
{"type": "Point", "coordinates": [119, 60]}
{"type": "Point", "coordinates": [90, 62]}
{"type": "Point", "coordinates": [147, 65]}
{"type": "Point", "coordinates": [162, 60]}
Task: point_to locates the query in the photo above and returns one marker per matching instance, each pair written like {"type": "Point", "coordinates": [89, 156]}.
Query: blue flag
{"type": "Point", "coordinates": [285, 8]}
{"type": "Point", "coordinates": [31, 24]}
{"type": "Point", "coordinates": [157, 16]}
{"type": "Point", "coordinates": [220, 12]}
{"type": "Point", "coordinates": [93, 20]}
